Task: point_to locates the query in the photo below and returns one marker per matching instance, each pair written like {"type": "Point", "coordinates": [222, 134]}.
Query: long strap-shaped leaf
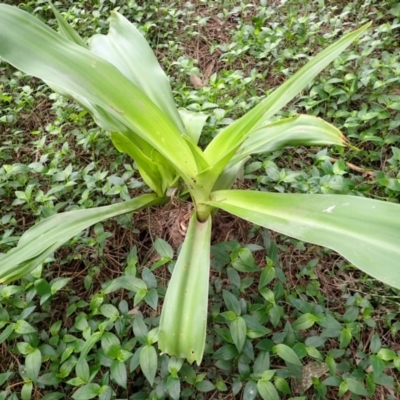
{"type": "Point", "coordinates": [184, 315]}
{"type": "Point", "coordinates": [148, 169]}
{"type": "Point", "coordinates": [301, 130]}
{"type": "Point", "coordinates": [34, 48]}
{"type": "Point", "coordinates": [40, 241]}
{"type": "Point", "coordinates": [66, 30]}
{"type": "Point", "coordinates": [132, 144]}
{"type": "Point", "coordinates": [365, 231]}
{"type": "Point", "coordinates": [126, 48]}
{"type": "Point", "coordinates": [232, 136]}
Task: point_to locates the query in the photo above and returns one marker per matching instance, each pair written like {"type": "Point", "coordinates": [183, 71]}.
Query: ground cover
{"type": "Point", "coordinates": [299, 301]}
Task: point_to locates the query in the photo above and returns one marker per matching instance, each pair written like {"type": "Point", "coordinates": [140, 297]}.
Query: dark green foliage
{"type": "Point", "coordinates": [86, 326]}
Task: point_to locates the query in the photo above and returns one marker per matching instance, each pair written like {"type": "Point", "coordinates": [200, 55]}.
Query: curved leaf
{"type": "Point", "coordinates": [287, 354]}
{"type": "Point", "coordinates": [230, 174]}
{"type": "Point", "coordinates": [126, 48]}
{"type": "Point", "coordinates": [184, 315]}
{"type": "Point", "coordinates": [147, 168]}
{"type": "Point", "coordinates": [154, 168]}
{"type": "Point", "coordinates": [66, 30]}
{"type": "Point", "coordinates": [301, 130]}
{"type": "Point", "coordinates": [40, 241]}
{"type": "Point", "coordinates": [194, 123]}
{"type": "Point", "coordinates": [233, 136]}
{"type": "Point", "coordinates": [365, 231]}
{"type": "Point", "coordinates": [87, 392]}
{"type": "Point", "coordinates": [34, 48]}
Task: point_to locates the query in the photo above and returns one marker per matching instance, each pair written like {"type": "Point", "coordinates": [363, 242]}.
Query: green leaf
{"type": "Point", "coordinates": [229, 175]}
{"type": "Point", "coordinates": [300, 349]}
{"type": "Point", "coordinates": [194, 123]}
{"type": "Point", "coordinates": [375, 344]}
{"type": "Point", "coordinates": [188, 374]}
{"type": "Point", "coordinates": [267, 375]}
{"type": "Point", "coordinates": [140, 67]}
{"type": "Point", "coordinates": [184, 314]}
{"type": "Point", "coordinates": [127, 282]}
{"type": "Point", "coordinates": [49, 379]}
{"type": "Point", "coordinates": [301, 130]}
{"type": "Point", "coordinates": [261, 364]}
{"type": "Point", "coordinates": [386, 354]}
{"type": "Point", "coordinates": [198, 155]}
{"type": "Point", "coordinates": [106, 393]}
{"type": "Point", "coordinates": [304, 322]}
{"type": "Point", "coordinates": [268, 294]}
{"type": "Point", "coordinates": [221, 386]}
{"type": "Point", "coordinates": [24, 348]}
{"type": "Point", "coordinates": [95, 337]}
{"type": "Point", "coordinates": [315, 341]}
{"type": "Point", "coordinates": [313, 352]}
{"type": "Point", "coordinates": [250, 391]}
{"type": "Point", "coordinates": [345, 338]}
{"type": "Point", "coordinates": [385, 380]}
{"type": "Point", "coordinates": [135, 360]}
{"type": "Point", "coordinates": [238, 331]}
{"type": "Point", "coordinates": [140, 329]}
{"type": "Point", "coordinates": [287, 354]}
{"type": "Point", "coordinates": [110, 344]}
{"type": "Point", "coordinates": [22, 327]}
{"type": "Point", "coordinates": [174, 387]}
{"type": "Point", "coordinates": [281, 384]}
{"type": "Point", "coordinates": [174, 365]}
{"type": "Point", "coordinates": [152, 336]}
{"type": "Point", "coordinates": [151, 298]}
{"type": "Point", "coordinates": [55, 328]}
{"type": "Point", "coordinates": [231, 137]}
{"type": "Point", "coordinates": [59, 284]}
{"type": "Point", "coordinates": [267, 390]}
{"type": "Point", "coordinates": [33, 362]}
{"type": "Point", "coordinates": [6, 332]}
{"type": "Point", "coordinates": [267, 275]}
{"type": "Point", "coordinates": [334, 221]}
{"type": "Point", "coordinates": [26, 391]}
{"type": "Point", "coordinates": [92, 81]}
{"type": "Point", "coordinates": [356, 387]}
{"type": "Point", "coordinates": [148, 362]}
{"type": "Point", "coordinates": [148, 169]}
{"type": "Point", "coordinates": [351, 314]}
{"type": "Point", "coordinates": [331, 364]}
{"type": "Point", "coordinates": [5, 376]}
{"type": "Point", "coordinates": [82, 370]}
{"type": "Point", "coordinates": [109, 311]}
{"type": "Point", "coordinates": [378, 365]}
{"type": "Point", "coordinates": [163, 248]}
{"type": "Point", "coordinates": [343, 388]}
{"type": "Point", "coordinates": [118, 373]}
{"type": "Point", "coordinates": [232, 303]}
{"type": "Point", "coordinates": [88, 391]}
{"type": "Point", "coordinates": [40, 241]}
{"type": "Point", "coordinates": [226, 352]}
{"type": "Point", "coordinates": [65, 29]}
{"type": "Point", "coordinates": [123, 355]}
{"type": "Point", "coordinates": [204, 386]}
{"type": "Point", "coordinates": [43, 289]}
